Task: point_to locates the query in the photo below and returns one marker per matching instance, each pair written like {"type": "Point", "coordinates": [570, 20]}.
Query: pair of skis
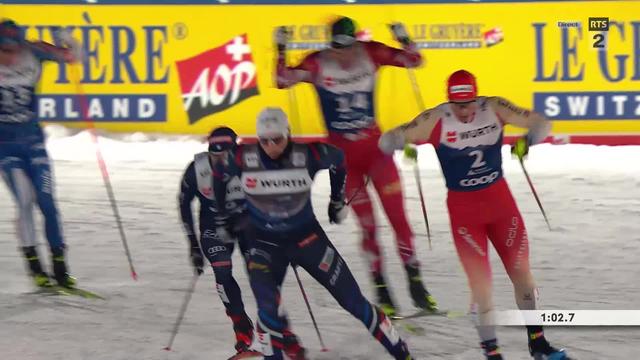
{"type": "Point", "coordinates": [406, 323]}
{"type": "Point", "coordinates": [67, 291]}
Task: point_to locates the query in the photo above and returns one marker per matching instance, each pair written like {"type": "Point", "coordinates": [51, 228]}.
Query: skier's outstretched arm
{"type": "Point", "coordinates": [288, 76]}
{"type": "Point", "coordinates": [539, 127]}
{"type": "Point", "coordinates": [417, 131]}
{"type": "Point", "coordinates": [70, 52]}
{"type": "Point", "coordinates": [382, 54]}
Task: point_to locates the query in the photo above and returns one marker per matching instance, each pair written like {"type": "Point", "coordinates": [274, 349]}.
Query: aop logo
{"type": "Point", "coordinates": [218, 78]}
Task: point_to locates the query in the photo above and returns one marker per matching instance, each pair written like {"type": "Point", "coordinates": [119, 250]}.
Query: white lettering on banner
{"type": "Point", "coordinates": [589, 105]}
{"type": "Point", "coordinates": [276, 182]}
{"type": "Point", "coordinates": [120, 108]}
{"type": "Point", "coordinates": [47, 107]}
{"type": "Point", "coordinates": [600, 105]}
{"type": "Point", "coordinates": [578, 105]}
{"type": "Point", "coordinates": [69, 113]}
{"type": "Point", "coordinates": [230, 79]}
{"type": "Point", "coordinates": [146, 108]}
{"type": "Point", "coordinates": [101, 107]}
{"type": "Point", "coordinates": [619, 100]}
{"type": "Point", "coordinates": [552, 106]}
{"type": "Point", "coordinates": [95, 109]}
{"type": "Point", "coordinates": [481, 180]}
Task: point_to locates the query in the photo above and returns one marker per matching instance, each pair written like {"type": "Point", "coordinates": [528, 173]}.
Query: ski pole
{"type": "Point", "coordinates": [535, 193]}
{"type": "Point", "coordinates": [416, 168]}
{"type": "Point", "coordinates": [84, 109]}
{"type": "Point", "coordinates": [183, 310]}
{"type": "Point", "coordinates": [306, 300]}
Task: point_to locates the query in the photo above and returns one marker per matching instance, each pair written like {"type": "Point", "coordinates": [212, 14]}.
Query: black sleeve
{"type": "Point", "coordinates": [188, 188]}
{"type": "Point", "coordinates": [325, 156]}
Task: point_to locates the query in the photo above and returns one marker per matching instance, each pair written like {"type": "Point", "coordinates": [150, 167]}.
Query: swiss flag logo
{"type": "Point", "coordinates": [217, 79]}
{"type": "Point", "coordinates": [451, 136]}
{"type": "Point", "coordinates": [251, 183]}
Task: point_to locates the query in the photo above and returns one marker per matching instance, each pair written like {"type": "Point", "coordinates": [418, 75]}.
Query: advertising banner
{"type": "Point", "coordinates": [189, 68]}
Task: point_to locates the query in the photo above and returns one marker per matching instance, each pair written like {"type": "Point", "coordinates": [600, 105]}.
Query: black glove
{"type": "Point", "coordinates": [196, 260]}
{"type": "Point", "coordinates": [281, 37]}
{"type": "Point", "coordinates": [338, 211]}
{"type": "Point", "coordinates": [400, 33]}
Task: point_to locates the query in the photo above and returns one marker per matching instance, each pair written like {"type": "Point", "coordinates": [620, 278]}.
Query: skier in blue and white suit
{"type": "Point", "coordinates": [24, 163]}
{"type": "Point", "coordinates": [277, 175]}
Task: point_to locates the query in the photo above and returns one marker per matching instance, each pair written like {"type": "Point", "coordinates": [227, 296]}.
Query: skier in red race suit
{"type": "Point", "coordinates": [467, 134]}
{"type": "Point", "coordinates": [344, 77]}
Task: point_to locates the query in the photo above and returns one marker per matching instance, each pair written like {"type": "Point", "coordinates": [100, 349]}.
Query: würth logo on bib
{"type": "Point", "coordinates": [218, 78]}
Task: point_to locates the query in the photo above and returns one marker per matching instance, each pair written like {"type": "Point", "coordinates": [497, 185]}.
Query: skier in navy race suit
{"type": "Point", "coordinates": [276, 175]}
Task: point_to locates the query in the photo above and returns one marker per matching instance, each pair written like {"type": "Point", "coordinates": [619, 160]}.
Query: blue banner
{"type": "Point", "coordinates": [588, 105]}
{"type": "Point", "coordinates": [101, 108]}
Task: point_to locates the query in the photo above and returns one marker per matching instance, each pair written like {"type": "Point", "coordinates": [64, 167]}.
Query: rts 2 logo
{"type": "Point", "coordinates": [218, 78]}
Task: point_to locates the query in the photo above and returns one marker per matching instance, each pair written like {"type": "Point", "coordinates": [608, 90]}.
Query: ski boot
{"type": "Point", "coordinates": [419, 294]}
{"type": "Point", "coordinates": [40, 278]}
{"type": "Point", "coordinates": [243, 328]}
{"type": "Point", "coordinates": [540, 349]}
{"type": "Point", "coordinates": [384, 297]}
{"type": "Point", "coordinates": [402, 352]}
{"type": "Point", "coordinates": [60, 273]}
{"type": "Point", "coordinates": [491, 349]}
{"type": "Point", "coordinates": [292, 347]}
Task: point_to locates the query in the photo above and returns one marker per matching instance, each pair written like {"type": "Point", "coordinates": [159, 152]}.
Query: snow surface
{"type": "Point", "coordinates": [589, 260]}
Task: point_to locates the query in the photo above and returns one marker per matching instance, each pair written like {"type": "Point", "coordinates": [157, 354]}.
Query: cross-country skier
{"type": "Point", "coordinates": [467, 134]}
{"type": "Point", "coordinates": [344, 77]}
{"type": "Point", "coordinates": [24, 162]}
{"type": "Point", "coordinates": [277, 176]}
{"type": "Point", "coordinates": [219, 229]}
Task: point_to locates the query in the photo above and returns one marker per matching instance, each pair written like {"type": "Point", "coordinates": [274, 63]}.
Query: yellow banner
{"type": "Point", "coordinates": [187, 69]}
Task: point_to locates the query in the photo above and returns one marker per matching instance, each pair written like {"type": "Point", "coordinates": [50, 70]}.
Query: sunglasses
{"type": "Point", "coordinates": [275, 140]}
